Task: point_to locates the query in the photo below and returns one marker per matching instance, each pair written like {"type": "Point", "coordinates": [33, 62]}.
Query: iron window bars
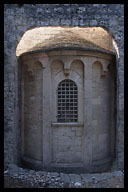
{"type": "Point", "coordinates": [67, 101]}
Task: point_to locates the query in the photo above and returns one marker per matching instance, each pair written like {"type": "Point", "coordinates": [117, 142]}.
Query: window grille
{"type": "Point", "coordinates": [67, 101]}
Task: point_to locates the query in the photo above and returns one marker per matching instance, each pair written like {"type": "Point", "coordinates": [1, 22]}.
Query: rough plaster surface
{"type": "Point", "coordinates": [20, 19]}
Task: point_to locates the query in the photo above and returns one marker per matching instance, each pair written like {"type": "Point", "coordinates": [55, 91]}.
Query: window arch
{"type": "Point", "coordinates": [67, 101]}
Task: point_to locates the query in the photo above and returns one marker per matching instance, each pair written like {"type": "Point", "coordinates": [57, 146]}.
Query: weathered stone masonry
{"type": "Point", "coordinates": [20, 19]}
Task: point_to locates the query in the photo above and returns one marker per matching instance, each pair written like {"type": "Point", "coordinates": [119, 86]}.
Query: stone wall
{"type": "Point", "coordinates": [32, 117]}
{"type": "Point", "coordinates": [20, 19]}
{"type": "Point", "coordinates": [89, 142]}
{"type": "Point", "coordinates": [67, 142]}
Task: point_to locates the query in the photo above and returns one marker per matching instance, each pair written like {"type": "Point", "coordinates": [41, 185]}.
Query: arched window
{"type": "Point", "coordinates": [67, 101]}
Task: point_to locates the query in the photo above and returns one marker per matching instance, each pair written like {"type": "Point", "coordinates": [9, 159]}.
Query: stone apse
{"type": "Point", "coordinates": [68, 105]}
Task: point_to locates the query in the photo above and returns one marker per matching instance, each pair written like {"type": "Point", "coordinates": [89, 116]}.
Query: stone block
{"type": "Point", "coordinates": [96, 101]}
{"type": "Point", "coordinates": [65, 177]}
{"type": "Point", "coordinates": [75, 178]}
{"type": "Point", "coordinates": [94, 122]}
{"type": "Point", "coordinates": [93, 22]}
{"type": "Point", "coordinates": [54, 174]}
{"type": "Point", "coordinates": [78, 133]}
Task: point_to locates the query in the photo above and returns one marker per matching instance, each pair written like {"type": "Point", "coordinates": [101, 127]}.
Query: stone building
{"type": "Point", "coordinates": [64, 86]}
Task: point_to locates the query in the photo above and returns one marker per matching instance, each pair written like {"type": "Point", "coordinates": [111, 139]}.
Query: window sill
{"type": "Point", "coordinates": [67, 124]}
